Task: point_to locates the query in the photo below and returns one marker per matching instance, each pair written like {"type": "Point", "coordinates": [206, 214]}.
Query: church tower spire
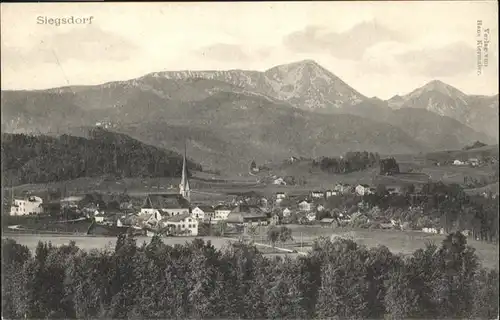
{"type": "Point", "coordinates": [184, 189]}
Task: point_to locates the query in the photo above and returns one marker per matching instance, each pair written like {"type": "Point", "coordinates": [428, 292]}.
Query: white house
{"type": "Point", "coordinates": [320, 207]}
{"type": "Point", "coordinates": [99, 217]}
{"type": "Point", "coordinates": [202, 212]}
{"type": "Point", "coordinates": [182, 224]}
{"type": "Point", "coordinates": [362, 189]}
{"type": "Point", "coordinates": [305, 205]}
{"type": "Point", "coordinates": [317, 194]}
{"type": "Point", "coordinates": [71, 202]}
{"type": "Point", "coordinates": [221, 212]}
{"type": "Point", "coordinates": [430, 230]}
{"type": "Point", "coordinates": [458, 163]}
{"type": "Point", "coordinates": [473, 162]}
{"type": "Point", "coordinates": [329, 193]}
{"type": "Point", "coordinates": [280, 182]}
{"type": "Point", "coordinates": [280, 195]}
{"type": "Point", "coordinates": [293, 159]}
{"type": "Point", "coordinates": [287, 212]}
{"type": "Point", "coordinates": [342, 188]}
{"type": "Point", "coordinates": [311, 216]}
{"type": "Point", "coordinates": [26, 206]}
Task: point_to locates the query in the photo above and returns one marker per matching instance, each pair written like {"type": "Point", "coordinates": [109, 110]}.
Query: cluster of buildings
{"type": "Point", "coordinates": [174, 214]}
{"type": "Point", "coordinates": [473, 162]}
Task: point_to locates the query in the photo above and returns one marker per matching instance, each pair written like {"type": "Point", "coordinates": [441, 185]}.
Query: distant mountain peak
{"type": "Point", "coordinates": [441, 87]}
{"type": "Point", "coordinates": [300, 63]}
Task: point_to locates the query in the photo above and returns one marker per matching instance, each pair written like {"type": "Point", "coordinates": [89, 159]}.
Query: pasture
{"type": "Point", "coordinates": [403, 242]}
{"type": "Point", "coordinates": [97, 242]}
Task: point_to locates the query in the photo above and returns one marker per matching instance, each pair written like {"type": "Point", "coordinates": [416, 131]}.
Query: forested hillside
{"type": "Point", "coordinates": [39, 159]}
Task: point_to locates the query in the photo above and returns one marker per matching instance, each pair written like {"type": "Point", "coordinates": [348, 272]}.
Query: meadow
{"type": "Point", "coordinates": [404, 242]}
{"type": "Point", "coordinates": [96, 242]}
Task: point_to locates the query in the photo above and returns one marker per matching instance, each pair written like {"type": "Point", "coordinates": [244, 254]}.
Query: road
{"type": "Point", "coordinates": [269, 246]}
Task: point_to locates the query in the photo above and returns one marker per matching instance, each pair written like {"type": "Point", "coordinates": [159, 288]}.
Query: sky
{"type": "Point", "coordinates": [379, 48]}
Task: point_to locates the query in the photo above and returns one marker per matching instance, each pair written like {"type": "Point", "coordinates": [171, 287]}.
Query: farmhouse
{"type": "Point", "coordinates": [433, 230]}
{"type": "Point", "coordinates": [286, 212]}
{"type": "Point", "coordinates": [221, 212]}
{"type": "Point", "coordinates": [70, 202]}
{"type": "Point", "coordinates": [53, 207]}
{"type": "Point", "coordinates": [329, 193]}
{"type": "Point", "coordinates": [280, 195]}
{"type": "Point", "coordinates": [247, 215]}
{"type": "Point", "coordinates": [458, 163]}
{"type": "Point", "coordinates": [182, 224]}
{"type": "Point", "coordinates": [203, 212]}
{"type": "Point", "coordinates": [165, 204]}
{"type": "Point", "coordinates": [362, 189]}
{"type": "Point", "coordinates": [275, 219]}
{"type": "Point", "coordinates": [394, 189]}
{"type": "Point", "coordinates": [473, 162]}
{"type": "Point", "coordinates": [305, 205]}
{"type": "Point", "coordinates": [342, 188]}
{"type": "Point", "coordinates": [279, 181]}
{"type": "Point", "coordinates": [329, 222]}
{"type": "Point", "coordinates": [27, 206]}
{"type": "Point", "coordinates": [317, 194]}
{"type": "Point", "coordinates": [311, 216]}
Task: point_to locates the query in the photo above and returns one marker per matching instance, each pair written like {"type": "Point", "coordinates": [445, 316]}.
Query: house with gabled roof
{"type": "Point", "coordinates": [286, 212]}
{"type": "Point", "coordinates": [247, 215]}
{"type": "Point", "coordinates": [203, 212]}
{"type": "Point", "coordinates": [182, 225]}
{"type": "Point", "coordinates": [221, 212]}
{"type": "Point", "coordinates": [317, 194]}
{"type": "Point", "coordinates": [362, 189]}
{"type": "Point", "coordinates": [305, 205]}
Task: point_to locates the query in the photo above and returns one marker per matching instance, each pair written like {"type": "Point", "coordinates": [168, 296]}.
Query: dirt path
{"type": "Point", "coordinates": [270, 246]}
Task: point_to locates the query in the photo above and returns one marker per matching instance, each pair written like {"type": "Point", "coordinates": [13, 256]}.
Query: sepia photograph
{"type": "Point", "coordinates": [250, 160]}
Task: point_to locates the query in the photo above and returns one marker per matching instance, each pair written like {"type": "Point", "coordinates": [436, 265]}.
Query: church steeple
{"type": "Point", "coordinates": [184, 189]}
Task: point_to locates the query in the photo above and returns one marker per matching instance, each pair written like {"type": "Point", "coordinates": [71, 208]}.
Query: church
{"type": "Point", "coordinates": [168, 205]}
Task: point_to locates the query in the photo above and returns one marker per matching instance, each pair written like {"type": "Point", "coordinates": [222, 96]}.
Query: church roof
{"type": "Point", "coordinates": [206, 208]}
{"type": "Point", "coordinates": [165, 201]}
{"type": "Point", "coordinates": [179, 217]}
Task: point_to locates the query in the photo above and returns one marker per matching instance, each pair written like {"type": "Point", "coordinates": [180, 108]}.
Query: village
{"type": "Point", "coordinates": [173, 214]}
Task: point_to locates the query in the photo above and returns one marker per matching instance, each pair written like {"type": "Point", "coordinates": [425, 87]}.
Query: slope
{"type": "Point", "coordinates": [38, 159]}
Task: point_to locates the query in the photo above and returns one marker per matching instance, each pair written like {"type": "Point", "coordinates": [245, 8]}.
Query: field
{"type": "Point", "coordinates": [493, 188]}
{"type": "Point", "coordinates": [90, 242]}
{"type": "Point", "coordinates": [208, 187]}
{"type": "Point", "coordinates": [404, 242]}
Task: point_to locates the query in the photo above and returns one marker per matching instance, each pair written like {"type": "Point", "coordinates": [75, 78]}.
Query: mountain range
{"type": "Point", "coordinates": [232, 117]}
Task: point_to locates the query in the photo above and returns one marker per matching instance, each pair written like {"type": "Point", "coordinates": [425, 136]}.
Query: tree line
{"type": "Point", "coordinates": [350, 162]}
{"type": "Point", "coordinates": [40, 159]}
{"type": "Point", "coordinates": [338, 279]}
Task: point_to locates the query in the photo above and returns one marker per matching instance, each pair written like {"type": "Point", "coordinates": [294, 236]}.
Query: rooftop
{"type": "Point", "coordinates": [165, 201]}
{"type": "Point", "coordinates": [205, 208]}
{"type": "Point", "coordinates": [179, 217]}
{"type": "Point", "coordinates": [242, 212]}
{"type": "Point", "coordinates": [222, 207]}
